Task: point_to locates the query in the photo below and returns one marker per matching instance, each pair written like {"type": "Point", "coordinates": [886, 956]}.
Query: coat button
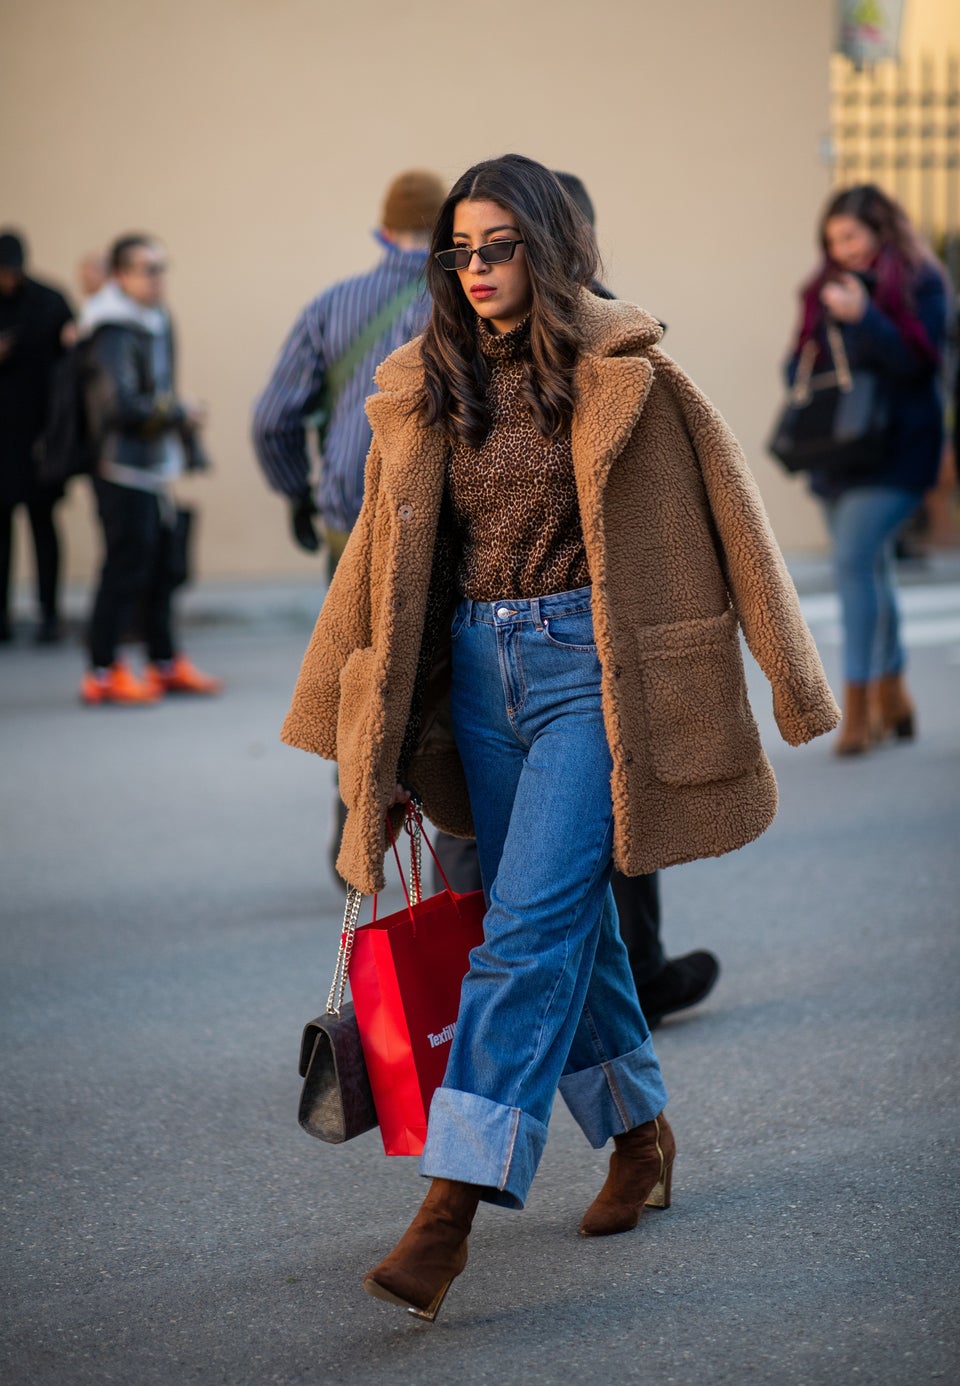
{"type": "Point", "coordinates": [405, 512]}
{"type": "Point", "coordinates": [617, 673]}
{"type": "Point", "coordinates": [629, 757]}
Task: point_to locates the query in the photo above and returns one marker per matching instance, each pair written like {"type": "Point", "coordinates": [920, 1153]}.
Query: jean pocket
{"type": "Point", "coordinates": [571, 631]}
{"type": "Point", "coordinates": [699, 722]}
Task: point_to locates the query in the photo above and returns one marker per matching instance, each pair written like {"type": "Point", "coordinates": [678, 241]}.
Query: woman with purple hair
{"type": "Point", "coordinates": [885, 291]}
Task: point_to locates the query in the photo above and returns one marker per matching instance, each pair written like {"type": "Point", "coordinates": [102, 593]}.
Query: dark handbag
{"type": "Point", "coordinates": [180, 569]}
{"type": "Point", "coordinates": [336, 1103]}
{"type": "Point", "coordinates": [835, 421]}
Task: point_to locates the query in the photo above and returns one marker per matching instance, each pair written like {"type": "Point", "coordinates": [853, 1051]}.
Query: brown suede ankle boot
{"type": "Point", "coordinates": [640, 1173]}
{"type": "Point", "coordinates": [432, 1251]}
{"type": "Point", "coordinates": [894, 707]}
{"type": "Point", "coordinates": [854, 736]}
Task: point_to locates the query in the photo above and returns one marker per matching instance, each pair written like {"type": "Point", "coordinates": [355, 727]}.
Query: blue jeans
{"type": "Point", "coordinates": [863, 523]}
{"type": "Point", "coordinates": [549, 999]}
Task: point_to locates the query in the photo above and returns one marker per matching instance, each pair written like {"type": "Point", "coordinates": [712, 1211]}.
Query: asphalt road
{"type": "Point", "coordinates": [169, 924]}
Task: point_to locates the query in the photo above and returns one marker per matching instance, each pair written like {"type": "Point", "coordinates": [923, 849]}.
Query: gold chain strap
{"type": "Point", "coordinates": [413, 826]}
{"type": "Point", "coordinates": [351, 914]}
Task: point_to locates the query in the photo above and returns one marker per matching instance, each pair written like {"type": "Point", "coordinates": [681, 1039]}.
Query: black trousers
{"type": "Point", "coordinates": [138, 575]}
{"type": "Point", "coordinates": [46, 544]}
{"type": "Point", "coordinates": [637, 897]}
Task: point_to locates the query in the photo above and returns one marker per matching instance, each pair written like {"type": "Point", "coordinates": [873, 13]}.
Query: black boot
{"type": "Point", "coordinates": [682, 982]}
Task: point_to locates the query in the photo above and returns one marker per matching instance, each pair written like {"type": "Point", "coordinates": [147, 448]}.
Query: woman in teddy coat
{"type": "Point", "coordinates": [535, 628]}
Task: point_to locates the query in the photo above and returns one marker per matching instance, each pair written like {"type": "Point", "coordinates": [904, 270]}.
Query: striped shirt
{"type": "Point", "coordinates": [321, 335]}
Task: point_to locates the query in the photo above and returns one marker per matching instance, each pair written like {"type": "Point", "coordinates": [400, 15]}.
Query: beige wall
{"type": "Point", "coordinates": [256, 136]}
{"type": "Point", "coordinates": [930, 28]}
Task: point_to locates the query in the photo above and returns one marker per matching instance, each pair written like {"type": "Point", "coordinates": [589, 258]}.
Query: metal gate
{"type": "Point", "coordinates": [898, 125]}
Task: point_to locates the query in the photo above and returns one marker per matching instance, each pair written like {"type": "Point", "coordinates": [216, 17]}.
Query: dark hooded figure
{"type": "Point", "coordinates": [32, 321]}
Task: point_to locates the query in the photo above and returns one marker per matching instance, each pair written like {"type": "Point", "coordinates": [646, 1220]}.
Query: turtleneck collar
{"type": "Point", "coordinates": [504, 346]}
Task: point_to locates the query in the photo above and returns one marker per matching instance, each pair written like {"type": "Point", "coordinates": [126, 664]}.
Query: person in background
{"type": "Point", "coordinates": [327, 364]}
{"type": "Point", "coordinates": [886, 291]}
{"type": "Point", "coordinates": [92, 273]}
{"type": "Point", "coordinates": [34, 318]}
{"type": "Point", "coordinates": [148, 437]}
{"type": "Point", "coordinates": [664, 985]}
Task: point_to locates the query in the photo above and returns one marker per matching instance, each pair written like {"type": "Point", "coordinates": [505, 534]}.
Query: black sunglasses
{"type": "Point", "coordinates": [496, 253]}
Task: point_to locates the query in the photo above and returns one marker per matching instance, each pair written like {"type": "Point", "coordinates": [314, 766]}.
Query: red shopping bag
{"type": "Point", "coordinates": [406, 972]}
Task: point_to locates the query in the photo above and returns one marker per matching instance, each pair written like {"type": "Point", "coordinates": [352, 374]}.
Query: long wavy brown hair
{"type": "Point", "coordinates": [561, 256]}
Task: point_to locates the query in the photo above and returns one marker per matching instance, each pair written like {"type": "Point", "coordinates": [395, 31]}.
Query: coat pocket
{"type": "Point", "coordinates": [355, 750]}
{"type": "Point", "coordinates": [699, 722]}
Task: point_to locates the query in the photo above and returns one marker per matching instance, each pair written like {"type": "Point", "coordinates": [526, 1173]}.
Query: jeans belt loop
{"type": "Point", "coordinates": [535, 613]}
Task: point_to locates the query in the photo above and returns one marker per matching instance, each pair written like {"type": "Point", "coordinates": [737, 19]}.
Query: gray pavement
{"type": "Point", "coordinates": [169, 923]}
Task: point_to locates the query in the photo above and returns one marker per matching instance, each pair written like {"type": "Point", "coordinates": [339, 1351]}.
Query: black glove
{"type": "Point", "coordinates": [302, 511]}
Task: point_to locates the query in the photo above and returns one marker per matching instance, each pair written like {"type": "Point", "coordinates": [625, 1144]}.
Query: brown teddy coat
{"type": "Point", "coordinates": [680, 553]}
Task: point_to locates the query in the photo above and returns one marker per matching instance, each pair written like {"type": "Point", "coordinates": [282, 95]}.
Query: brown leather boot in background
{"type": "Point", "coordinates": [854, 736]}
{"type": "Point", "coordinates": [432, 1251]}
{"type": "Point", "coordinates": [895, 711]}
{"type": "Point", "coordinates": [640, 1173]}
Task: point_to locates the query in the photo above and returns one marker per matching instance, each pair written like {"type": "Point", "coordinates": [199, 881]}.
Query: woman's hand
{"type": "Point", "coordinates": [400, 796]}
{"type": "Point", "coordinates": [845, 298]}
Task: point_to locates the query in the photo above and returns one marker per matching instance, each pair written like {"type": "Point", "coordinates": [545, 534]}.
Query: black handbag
{"type": "Point", "coordinates": [336, 1103]}
{"type": "Point", "coordinates": [180, 570]}
{"type": "Point", "coordinates": [835, 421]}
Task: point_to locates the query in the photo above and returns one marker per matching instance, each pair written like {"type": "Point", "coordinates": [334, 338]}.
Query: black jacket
{"type": "Point", "coordinates": [130, 411]}
{"type": "Point", "coordinates": [35, 317]}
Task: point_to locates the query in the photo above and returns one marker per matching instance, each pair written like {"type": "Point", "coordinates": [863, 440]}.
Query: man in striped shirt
{"type": "Point", "coordinates": [355, 323]}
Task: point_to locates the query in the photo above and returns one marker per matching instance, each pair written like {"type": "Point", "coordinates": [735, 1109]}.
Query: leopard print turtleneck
{"type": "Point", "coordinates": [514, 498]}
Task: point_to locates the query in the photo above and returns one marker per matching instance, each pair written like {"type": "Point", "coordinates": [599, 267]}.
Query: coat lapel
{"type": "Point", "coordinates": [413, 456]}
{"type": "Point", "coordinates": [611, 393]}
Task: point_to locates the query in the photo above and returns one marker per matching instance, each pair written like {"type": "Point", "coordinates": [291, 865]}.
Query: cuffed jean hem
{"type": "Point", "coordinates": [482, 1142]}
{"type": "Point", "coordinates": [615, 1096]}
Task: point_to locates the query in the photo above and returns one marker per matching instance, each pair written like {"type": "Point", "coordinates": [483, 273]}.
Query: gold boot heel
{"type": "Point", "coordinates": [432, 1310]}
{"type": "Point", "coordinates": [659, 1196]}
{"type": "Point", "coordinates": [378, 1291]}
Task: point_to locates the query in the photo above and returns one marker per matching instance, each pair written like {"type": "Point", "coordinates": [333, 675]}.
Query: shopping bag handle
{"type": "Point", "coordinates": [413, 824]}
{"type": "Point", "coordinates": [414, 815]}
{"type": "Point", "coordinates": [351, 914]}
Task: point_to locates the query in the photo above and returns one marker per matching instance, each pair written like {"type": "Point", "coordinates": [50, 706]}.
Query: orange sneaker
{"type": "Point", "coordinates": [180, 676]}
{"type": "Point", "coordinates": [118, 684]}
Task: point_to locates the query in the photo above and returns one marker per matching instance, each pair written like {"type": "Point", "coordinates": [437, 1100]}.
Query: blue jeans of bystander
{"type": "Point", "coordinates": [863, 523]}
